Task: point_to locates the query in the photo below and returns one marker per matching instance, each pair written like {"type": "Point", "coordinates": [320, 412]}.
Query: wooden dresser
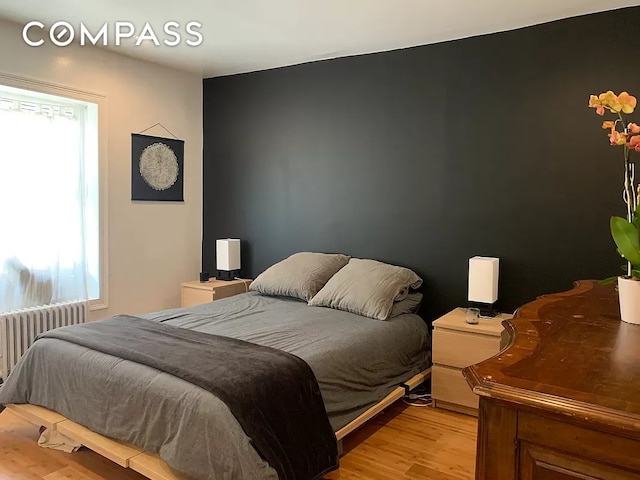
{"type": "Point", "coordinates": [562, 401]}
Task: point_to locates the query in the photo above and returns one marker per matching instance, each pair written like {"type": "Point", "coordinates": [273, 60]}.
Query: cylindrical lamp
{"type": "Point", "coordinates": [483, 283]}
{"type": "Point", "coordinates": [228, 258]}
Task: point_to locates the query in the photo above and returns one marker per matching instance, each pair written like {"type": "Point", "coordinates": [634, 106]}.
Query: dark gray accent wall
{"type": "Point", "coordinates": [424, 157]}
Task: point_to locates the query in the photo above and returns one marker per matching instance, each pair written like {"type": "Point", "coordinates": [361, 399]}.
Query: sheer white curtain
{"type": "Point", "coordinates": [42, 202]}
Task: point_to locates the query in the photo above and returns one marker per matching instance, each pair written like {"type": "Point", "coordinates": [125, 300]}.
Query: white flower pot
{"type": "Point", "coordinates": [629, 291]}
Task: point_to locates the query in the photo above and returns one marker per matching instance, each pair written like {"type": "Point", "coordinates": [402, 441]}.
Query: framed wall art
{"type": "Point", "coordinates": [157, 168]}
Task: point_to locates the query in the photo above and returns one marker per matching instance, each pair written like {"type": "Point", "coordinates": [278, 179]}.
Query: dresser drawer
{"type": "Point", "coordinates": [193, 296]}
{"type": "Point", "coordinates": [229, 290]}
{"type": "Point", "coordinates": [196, 293]}
{"type": "Point", "coordinates": [448, 385]}
{"type": "Point", "coordinates": [461, 349]}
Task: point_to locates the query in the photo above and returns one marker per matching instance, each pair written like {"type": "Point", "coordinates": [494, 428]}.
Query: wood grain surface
{"type": "Point", "coordinates": [403, 443]}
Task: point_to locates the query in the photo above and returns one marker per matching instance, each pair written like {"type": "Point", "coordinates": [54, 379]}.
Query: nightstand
{"type": "Point", "coordinates": [457, 344]}
{"type": "Point", "coordinates": [195, 292]}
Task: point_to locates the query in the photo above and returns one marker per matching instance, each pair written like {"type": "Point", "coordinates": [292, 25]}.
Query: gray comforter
{"type": "Point", "coordinates": [357, 362]}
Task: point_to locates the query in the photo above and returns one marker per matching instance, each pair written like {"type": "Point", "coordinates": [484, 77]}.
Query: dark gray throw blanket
{"type": "Point", "coordinates": [274, 395]}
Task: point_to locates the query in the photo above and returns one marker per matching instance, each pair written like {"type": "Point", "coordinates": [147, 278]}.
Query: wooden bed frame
{"type": "Point", "coordinates": [150, 465]}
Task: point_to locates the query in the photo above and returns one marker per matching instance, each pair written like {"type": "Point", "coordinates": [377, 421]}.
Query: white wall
{"type": "Point", "coordinates": [154, 246]}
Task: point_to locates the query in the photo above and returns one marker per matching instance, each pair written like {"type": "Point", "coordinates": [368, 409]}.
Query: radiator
{"type": "Point", "coordinates": [19, 329]}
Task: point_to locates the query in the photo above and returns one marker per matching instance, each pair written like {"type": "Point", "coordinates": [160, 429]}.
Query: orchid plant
{"type": "Point", "coordinates": [625, 231]}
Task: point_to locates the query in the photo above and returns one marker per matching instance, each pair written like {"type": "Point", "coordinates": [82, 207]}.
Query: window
{"type": "Point", "coordinates": [50, 227]}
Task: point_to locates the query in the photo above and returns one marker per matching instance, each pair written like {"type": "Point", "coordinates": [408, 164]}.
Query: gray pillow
{"type": "Point", "coordinates": [301, 275]}
{"type": "Point", "coordinates": [366, 287]}
{"type": "Point", "coordinates": [410, 304]}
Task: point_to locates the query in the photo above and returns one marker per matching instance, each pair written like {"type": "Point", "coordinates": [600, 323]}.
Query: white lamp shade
{"type": "Point", "coordinates": [483, 279]}
{"type": "Point", "coordinates": [228, 254]}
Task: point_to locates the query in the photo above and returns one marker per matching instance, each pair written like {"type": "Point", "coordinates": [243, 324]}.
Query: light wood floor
{"type": "Point", "coordinates": [401, 444]}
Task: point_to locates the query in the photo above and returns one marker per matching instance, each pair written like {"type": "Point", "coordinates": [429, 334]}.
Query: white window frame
{"type": "Point", "coordinates": [101, 100]}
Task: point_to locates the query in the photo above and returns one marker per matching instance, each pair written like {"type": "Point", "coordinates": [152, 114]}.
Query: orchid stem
{"type": "Point", "coordinates": [629, 190]}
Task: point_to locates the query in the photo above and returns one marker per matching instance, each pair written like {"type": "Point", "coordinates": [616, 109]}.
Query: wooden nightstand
{"type": "Point", "coordinates": [195, 292]}
{"type": "Point", "coordinates": [457, 344]}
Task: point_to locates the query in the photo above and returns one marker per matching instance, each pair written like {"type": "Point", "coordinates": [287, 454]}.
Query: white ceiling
{"type": "Point", "coordinates": [249, 35]}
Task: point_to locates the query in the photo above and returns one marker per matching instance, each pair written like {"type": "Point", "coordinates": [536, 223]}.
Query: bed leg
{"type": "Point", "coordinates": [340, 448]}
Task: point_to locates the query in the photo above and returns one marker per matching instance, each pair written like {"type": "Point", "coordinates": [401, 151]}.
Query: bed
{"type": "Point", "coordinates": [358, 362]}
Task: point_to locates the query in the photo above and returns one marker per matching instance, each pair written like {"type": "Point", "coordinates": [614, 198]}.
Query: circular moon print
{"type": "Point", "coordinates": [159, 166]}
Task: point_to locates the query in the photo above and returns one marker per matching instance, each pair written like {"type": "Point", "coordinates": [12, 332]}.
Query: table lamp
{"type": "Point", "coordinates": [483, 284]}
{"type": "Point", "coordinates": [228, 258]}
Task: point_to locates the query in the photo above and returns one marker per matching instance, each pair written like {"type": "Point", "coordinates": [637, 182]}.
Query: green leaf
{"type": "Point", "coordinates": [627, 238]}
{"type": "Point", "coordinates": [608, 281]}
{"type": "Point", "coordinates": [636, 219]}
